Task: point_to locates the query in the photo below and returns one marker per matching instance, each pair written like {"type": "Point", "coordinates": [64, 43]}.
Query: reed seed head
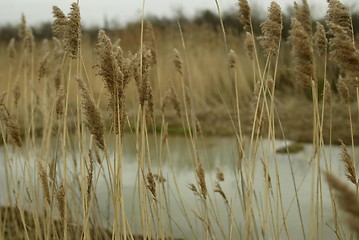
{"type": "Point", "coordinates": [302, 14]}
{"type": "Point", "coordinates": [339, 14]}
{"type": "Point", "coordinates": [60, 23]}
{"type": "Point", "coordinates": [320, 40]}
{"type": "Point", "coordinates": [43, 65]}
{"type": "Point", "coordinates": [44, 183]}
{"type": "Point", "coordinates": [61, 200]}
{"type": "Point", "coordinates": [94, 120]}
{"type": "Point", "coordinates": [343, 90]}
{"type": "Point", "coordinates": [232, 59]}
{"type": "Point", "coordinates": [349, 164]}
{"type": "Point", "coordinates": [245, 14]}
{"type": "Point", "coordinates": [23, 27]}
{"type": "Point", "coordinates": [151, 184]}
{"type": "Point", "coordinates": [178, 61]}
{"type": "Point", "coordinates": [201, 179]}
{"type": "Point", "coordinates": [59, 102]}
{"type": "Point", "coordinates": [11, 50]}
{"type": "Point", "coordinates": [73, 34]}
{"type": "Point", "coordinates": [302, 54]}
{"type": "Point", "coordinates": [249, 44]}
{"type": "Point", "coordinates": [218, 189]}
{"type": "Point", "coordinates": [272, 30]}
{"type": "Point", "coordinates": [16, 91]}
{"type": "Point", "coordinates": [12, 127]}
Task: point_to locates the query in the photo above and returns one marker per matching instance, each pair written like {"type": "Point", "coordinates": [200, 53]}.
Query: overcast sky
{"type": "Point", "coordinates": [93, 12]}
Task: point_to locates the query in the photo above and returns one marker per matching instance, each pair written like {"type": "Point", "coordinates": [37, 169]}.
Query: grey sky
{"type": "Point", "coordinates": [93, 12]}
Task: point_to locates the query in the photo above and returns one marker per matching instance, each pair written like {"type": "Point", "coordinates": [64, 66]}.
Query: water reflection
{"type": "Point", "coordinates": [215, 152]}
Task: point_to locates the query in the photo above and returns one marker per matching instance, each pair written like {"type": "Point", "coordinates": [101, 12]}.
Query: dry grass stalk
{"type": "Point", "coordinates": [43, 65]}
{"type": "Point", "coordinates": [94, 120]}
{"type": "Point", "coordinates": [339, 14]}
{"type": "Point", "coordinates": [2, 98]}
{"type": "Point", "coordinates": [198, 127]}
{"type": "Point", "coordinates": [12, 127]}
{"type": "Point", "coordinates": [245, 14]}
{"type": "Point", "coordinates": [320, 40]}
{"type": "Point", "coordinates": [59, 102]}
{"type": "Point", "coordinates": [61, 200]}
{"type": "Point", "coordinates": [343, 90]}
{"type": "Point", "coordinates": [201, 179]}
{"type": "Point", "coordinates": [219, 174]}
{"type": "Point", "coordinates": [302, 14]}
{"type": "Point", "coordinates": [249, 44]}
{"type": "Point", "coordinates": [151, 184]}
{"type": "Point", "coordinates": [272, 30]}
{"type": "Point", "coordinates": [178, 61]}
{"type": "Point", "coordinates": [44, 183]}
{"type": "Point", "coordinates": [342, 50]}
{"type": "Point", "coordinates": [349, 164]}
{"type": "Point", "coordinates": [302, 54]}
{"type": "Point", "coordinates": [171, 97]}
{"type": "Point", "coordinates": [347, 199]}
{"type": "Point", "coordinates": [218, 189]}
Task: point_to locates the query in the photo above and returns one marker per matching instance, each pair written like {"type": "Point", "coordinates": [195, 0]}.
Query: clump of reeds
{"type": "Point", "coordinates": [111, 72]}
{"type": "Point", "coordinates": [94, 121]}
{"type": "Point", "coordinates": [347, 199]}
{"type": "Point", "coordinates": [302, 53]}
{"type": "Point", "coordinates": [349, 164]}
{"type": "Point", "coordinates": [12, 127]}
{"type": "Point", "coordinates": [272, 30]}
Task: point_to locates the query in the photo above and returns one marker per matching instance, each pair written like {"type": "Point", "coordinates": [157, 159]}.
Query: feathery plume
{"type": "Point", "coordinates": [249, 44]}
{"type": "Point", "coordinates": [171, 97]}
{"type": "Point", "coordinates": [16, 91]}
{"type": "Point", "coordinates": [245, 14]}
{"type": "Point", "coordinates": [320, 40]}
{"type": "Point", "coordinates": [151, 184]}
{"type": "Point", "coordinates": [59, 102]}
{"type": "Point", "coordinates": [272, 30]}
{"type": "Point", "coordinates": [302, 53]}
{"type": "Point", "coordinates": [339, 14]}
{"type": "Point", "coordinates": [349, 164]}
{"type": "Point", "coordinates": [11, 51]}
{"type": "Point", "coordinates": [61, 200]}
{"type": "Point", "coordinates": [89, 180]}
{"type": "Point", "coordinates": [12, 127]}
{"type": "Point", "coordinates": [342, 50]}
{"type": "Point", "coordinates": [347, 199]}
{"type": "Point", "coordinates": [44, 183]}
{"type": "Point", "coordinates": [302, 14]}
{"type": "Point", "coordinates": [218, 189]}
{"type": "Point", "coordinates": [343, 90]}
{"type": "Point", "coordinates": [201, 179]}
{"type": "Point", "coordinates": [43, 65]}
{"type": "Point", "coordinates": [94, 120]}
{"type": "Point", "coordinates": [232, 58]}
{"type": "Point", "coordinates": [177, 61]}
{"type": "Point", "coordinates": [23, 27]}
{"type": "Point", "coordinates": [60, 23]}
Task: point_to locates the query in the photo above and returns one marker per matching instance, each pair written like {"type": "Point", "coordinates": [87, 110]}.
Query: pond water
{"type": "Point", "coordinates": [214, 152]}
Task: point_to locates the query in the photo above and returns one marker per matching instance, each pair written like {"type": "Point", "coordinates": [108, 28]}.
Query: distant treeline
{"type": "Point", "coordinates": [208, 18]}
